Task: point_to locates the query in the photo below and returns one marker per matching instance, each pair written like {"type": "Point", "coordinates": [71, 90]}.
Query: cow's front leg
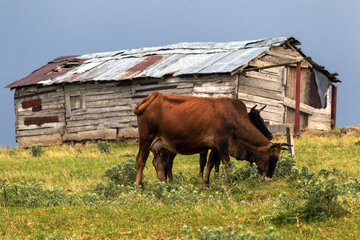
{"type": "Point", "coordinates": [159, 164]}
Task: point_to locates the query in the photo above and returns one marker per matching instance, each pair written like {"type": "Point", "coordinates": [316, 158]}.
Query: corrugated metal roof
{"type": "Point", "coordinates": [155, 62]}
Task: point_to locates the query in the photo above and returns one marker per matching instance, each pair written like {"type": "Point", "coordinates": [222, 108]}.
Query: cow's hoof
{"type": "Point", "coordinates": [205, 185]}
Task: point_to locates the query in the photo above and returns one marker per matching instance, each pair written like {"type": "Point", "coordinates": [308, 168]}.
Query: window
{"type": "Point", "coordinates": [74, 103]}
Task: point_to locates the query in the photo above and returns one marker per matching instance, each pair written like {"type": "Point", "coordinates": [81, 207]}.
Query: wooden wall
{"type": "Point", "coordinates": [40, 115]}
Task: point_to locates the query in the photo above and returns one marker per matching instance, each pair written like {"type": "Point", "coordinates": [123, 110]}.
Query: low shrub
{"type": "Point", "coordinates": [104, 147]}
{"type": "Point", "coordinates": [284, 167]}
{"type": "Point", "coordinates": [12, 152]}
{"type": "Point", "coordinates": [36, 151]}
{"type": "Point", "coordinates": [31, 195]}
{"type": "Point", "coordinates": [318, 196]}
{"type": "Point", "coordinates": [123, 173]}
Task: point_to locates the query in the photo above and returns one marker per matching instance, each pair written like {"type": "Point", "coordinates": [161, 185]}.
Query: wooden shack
{"type": "Point", "coordinates": [79, 98]}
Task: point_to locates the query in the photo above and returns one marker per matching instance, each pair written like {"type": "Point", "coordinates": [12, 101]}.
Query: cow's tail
{"type": "Point", "coordinates": [143, 105]}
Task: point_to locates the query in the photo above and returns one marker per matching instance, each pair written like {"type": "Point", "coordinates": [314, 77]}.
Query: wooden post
{"type": "Point", "coordinates": [333, 106]}
{"type": "Point", "coordinates": [297, 100]}
{"type": "Point", "coordinates": [290, 140]}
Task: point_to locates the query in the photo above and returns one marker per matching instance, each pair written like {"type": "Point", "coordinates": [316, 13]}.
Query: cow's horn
{"type": "Point", "coordinates": [253, 108]}
{"type": "Point", "coordinates": [286, 144]}
{"type": "Point", "coordinates": [262, 108]}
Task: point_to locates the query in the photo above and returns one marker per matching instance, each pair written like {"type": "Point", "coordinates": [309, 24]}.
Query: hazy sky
{"type": "Point", "coordinates": [35, 32]}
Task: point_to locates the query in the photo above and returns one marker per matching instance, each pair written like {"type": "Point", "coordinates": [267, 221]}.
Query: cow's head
{"type": "Point", "coordinates": [258, 121]}
{"type": "Point", "coordinates": [267, 157]}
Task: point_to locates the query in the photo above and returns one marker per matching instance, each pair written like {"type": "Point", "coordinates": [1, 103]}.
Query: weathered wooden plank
{"type": "Point", "coordinates": [53, 95]}
{"type": "Point", "coordinates": [266, 93]}
{"type": "Point", "coordinates": [123, 98]}
{"type": "Point", "coordinates": [93, 116]}
{"type": "Point", "coordinates": [92, 110]}
{"type": "Point", "coordinates": [56, 125]}
{"type": "Point", "coordinates": [109, 122]}
{"type": "Point", "coordinates": [42, 113]}
{"type": "Point", "coordinates": [319, 125]}
{"type": "Point", "coordinates": [139, 96]}
{"type": "Point", "coordinates": [270, 108]}
{"type": "Point", "coordinates": [216, 77]}
{"type": "Point", "coordinates": [37, 132]}
{"type": "Point", "coordinates": [108, 103]}
{"type": "Point", "coordinates": [276, 60]}
{"type": "Point", "coordinates": [258, 99]}
{"type": "Point", "coordinates": [303, 107]}
{"type": "Point", "coordinates": [128, 132]}
{"type": "Point", "coordinates": [285, 51]}
{"type": "Point", "coordinates": [261, 84]}
{"type": "Point", "coordinates": [264, 76]}
{"type": "Point", "coordinates": [94, 127]}
{"type": "Point", "coordinates": [28, 141]}
{"type": "Point", "coordinates": [217, 89]}
{"type": "Point", "coordinates": [105, 134]}
{"type": "Point", "coordinates": [318, 117]}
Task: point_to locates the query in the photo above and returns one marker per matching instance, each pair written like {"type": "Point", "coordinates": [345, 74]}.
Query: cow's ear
{"type": "Point", "coordinates": [253, 108]}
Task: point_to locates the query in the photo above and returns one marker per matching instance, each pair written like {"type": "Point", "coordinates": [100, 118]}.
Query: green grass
{"type": "Point", "coordinates": [77, 169]}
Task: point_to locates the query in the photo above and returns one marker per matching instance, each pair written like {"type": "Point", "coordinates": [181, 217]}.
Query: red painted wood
{"type": "Point", "coordinates": [333, 106]}
{"type": "Point", "coordinates": [40, 120]}
{"type": "Point", "coordinates": [297, 101]}
{"type": "Point", "coordinates": [31, 103]}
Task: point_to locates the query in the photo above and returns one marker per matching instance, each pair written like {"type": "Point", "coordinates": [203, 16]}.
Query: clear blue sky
{"type": "Point", "coordinates": [35, 32]}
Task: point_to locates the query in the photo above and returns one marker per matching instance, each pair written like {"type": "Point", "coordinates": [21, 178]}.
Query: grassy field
{"type": "Point", "coordinates": [159, 211]}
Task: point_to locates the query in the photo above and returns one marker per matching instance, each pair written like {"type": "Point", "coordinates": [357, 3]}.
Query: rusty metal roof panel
{"type": "Point", "coordinates": [174, 64]}
{"type": "Point", "coordinates": [154, 62]}
{"type": "Point", "coordinates": [233, 60]}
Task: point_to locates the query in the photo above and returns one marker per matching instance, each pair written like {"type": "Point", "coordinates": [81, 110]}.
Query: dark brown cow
{"type": "Point", "coordinates": [256, 119]}
{"type": "Point", "coordinates": [170, 123]}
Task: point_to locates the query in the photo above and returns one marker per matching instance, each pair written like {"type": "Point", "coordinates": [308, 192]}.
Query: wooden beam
{"type": "Point", "coordinates": [265, 67]}
{"type": "Point", "coordinates": [333, 106]}
{"type": "Point", "coordinates": [297, 101]}
{"type": "Point", "coordinates": [290, 140]}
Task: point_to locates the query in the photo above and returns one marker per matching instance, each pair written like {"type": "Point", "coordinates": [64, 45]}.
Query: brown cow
{"type": "Point", "coordinates": [164, 161]}
{"type": "Point", "coordinates": [170, 123]}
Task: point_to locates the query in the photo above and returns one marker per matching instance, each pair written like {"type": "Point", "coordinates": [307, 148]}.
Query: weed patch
{"type": "Point", "coordinates": [229, 233]}
{"type": "Point", "coordinates": [36, 151]}
{"type": "Point", "coordinates": [104, 147]}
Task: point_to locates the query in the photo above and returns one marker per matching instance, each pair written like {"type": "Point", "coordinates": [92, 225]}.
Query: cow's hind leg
{"type": "Point", "coordinates": [202, 162]}
{"type": "Point", "coordinates": [169, 165]}
{"type": "Point", "coordinates": [213, 158]}
{"type": "Point", "coordinates": [223, 149]}
{"type": "Point", "coordinates": [144, 148]}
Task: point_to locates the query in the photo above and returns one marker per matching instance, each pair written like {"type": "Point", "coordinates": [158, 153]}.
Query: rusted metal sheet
{"type": "Point", "coordinates": [51, 70]}
{"type": "Point", "coordinates": [40, 120]}
{"type": "Point", "coordinates": [154, 62]}
{"type": "Point", "coordinates": [139, 68]}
